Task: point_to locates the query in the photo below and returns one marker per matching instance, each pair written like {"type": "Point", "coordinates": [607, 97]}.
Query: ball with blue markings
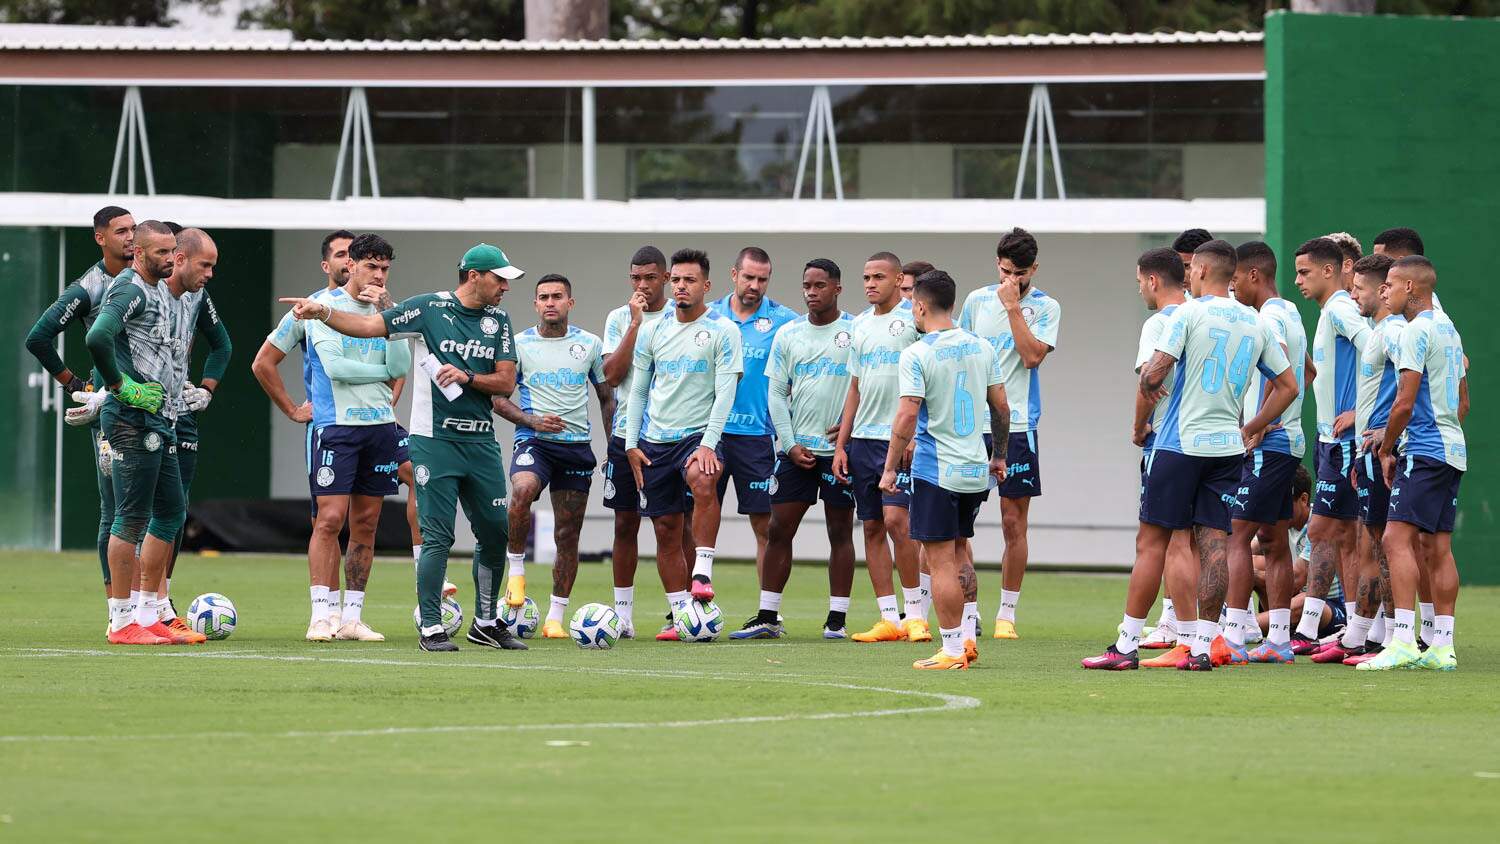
{"type": "Point", "coordinates": [451, 613]}
{"type": "Point", "coordinates": [698, 621]}
{"type": "Point", "coordinates": [595, 627]}
{"type": "Point", "coordinates": [522, 621]}
{"type": "Point", "coordinates": [213, 615]}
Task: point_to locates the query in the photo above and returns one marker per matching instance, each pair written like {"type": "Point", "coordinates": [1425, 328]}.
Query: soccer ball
{"type": "Point", "coordinates": [213, 615]}
{"type": "Point", "coordinates": [453, 616]}
{"type": "Point", "coordinates": [699, 621]}
{"type": "Point", "coordinates": [595, 627]}
{"type": "Point", "coordinates": [523, 622]}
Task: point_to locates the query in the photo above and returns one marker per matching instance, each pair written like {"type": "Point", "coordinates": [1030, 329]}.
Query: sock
{"type": "Point", "coordinates": [416, 553]}
{"type": "Point", "coordinates": [1390, 632]}
{"type": "Point", "coordinates": [517, 564]}
{"type": "Point", "coordinates": [1008, 601]}
{"type": "Point", "coordinates": [1168, 614]}
{"type": "Point", "coordinates": [1130, 635]}
{"type": "Point", "coordinates": [971, 621]}
{"type": "Point", "coordinates": [953, 641]}
{"type": "Point", "coordinates": [1187, 634]}
{"type": "Point", "coordinates": [354, 606]}
{"type": "Point", "coordinates": [1377, 627]}
{"type": "Point", "coordinates": [837, 603]}
{"type": "Point", "coordinates": [145, 609]}
{"type": "Point", "coordinates": [1250, 627]}
{"type": "Point", "coordinates": [1405, 626]}
{"type": "Point", "coordinates": [924, 583]}
{"type": "Point", "coordinates": [888, 611]}
{"type": "Point", "coordinates": [556, 610]}
{"type": "Point", "coordinates": [438, 628]}
{"type": "Point", "coordinates": [120, 615]}
{"type": "Point", "coordinates": [625, 604]}
{"type": "Point", "coordinates": [676, 601]}
{"type": "Point", "coordinates": [703, 563]}
{"type": "Point", "coordinates": [135, 601]}
{"type": "Point", "coordinates": [1442, 631]}
{"type": "Point", "coordinates": [1427, 622]}
{"type": "Point", "coordinates": [770, 601]}
{"type": "Point", "coordinates": [1208, 631]}
{"type": "Point", "coordinates": [168, 594]}
{"type": "Point", "coordinates": [1348, 612]}
{"type": "Point", "coordinates": [321, 608]}
{"type": "Point", "coordinates": [1280, 623]}
{"type": "Point", "coordinates": [1312, 617]}
{"type": "Point", "coordinates": [912, 599]}
{"type": "Point", "coordinates": [1356, 631]}
{"type": "Point", "coordinates": [1239, 622]}
{"type": "Point", "coordinates": [163, 609]}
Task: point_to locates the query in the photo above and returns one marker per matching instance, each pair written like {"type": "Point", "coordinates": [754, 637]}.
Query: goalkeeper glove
{"type": "Point", "coordinates": [196, 398]}
{"type": "Point", "coordinates": [145, 396]}
{"type": "Point", "coordinates": [87, 411]}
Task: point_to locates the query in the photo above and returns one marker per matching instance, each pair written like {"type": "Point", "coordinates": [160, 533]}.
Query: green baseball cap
{"type": "Point", "coordinates": [485, 257]}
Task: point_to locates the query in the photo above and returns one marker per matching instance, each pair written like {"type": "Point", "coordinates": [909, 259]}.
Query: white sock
{"type": "Point", "coordinates": [135, 601]}
{"type": "Point", "coordinates": [1442, 631]}
{"type": "Point", "coordinates": [1312, 617]}
{"type": "Point", "coordinates": [145, 609]}
{"type": "Point", "coordinates": [1281, 627]}
{"type": "Point", "coordinates": [517, 564]}
{"type": "Point", "coordinates": [888, 611]}
{"type": "Point", "coordinates": [1405, 626]}
{"type": "Point", "coordinates": [168, 593]}
{"type": "Point", "coordinates": [1250, 627]}
{"type": "Point", "coordinates": [971, 621]}
{"type": "Point", "coordinates": [1239, 620]}
{"type": "Point", "coordinates": [770, 601]}
{"type": "Point", "coordinates": [438, 628]}
{"type": "Point", "coordinates": [120, 615]}
{"type": "Point", "coordinates": [1390, 632]}
{"type": "Point", "coordinates": [676, 601]}
{"type": "Point", "coordinates": [163, 609]}
{"type": "Point", "coordinates": [924, 582]}
{"type": "Point", "coordinates": [556, 610]}
{"type": "Point", "coordinates": [1168, 616]}
{"type": "Point", "coordinates": [1130, 635]}
{"type": "Point", "coordinates": [625, 604]}
{"type": "Point", "coordinates": [953, 641]}
{"type": "Point", "coordinates": [1355, 631]}
{"type": "Point", "coordinates": [416, 553]}
{"type": "Point", "coordinates": [354, 606]}
{"type": "Point", "coordinates": [321, 609]}
{"type": "Point", "coordinates": [1008, 601]}
{"type": "Point", "coordinates": [912, 598]}
{"type": "Point", "coordinates": [703, 562]}
{"type": "Point", "coordinates": [1427, 624]}
{"type": "Point", "coordinates": [1187, 634]}
{"type": "Point", "coordinates": [837, 603]}
{"type": "Point", "coordinates": [1377, 627]}
{"type": "Point", "coordinates": [1208, 631]}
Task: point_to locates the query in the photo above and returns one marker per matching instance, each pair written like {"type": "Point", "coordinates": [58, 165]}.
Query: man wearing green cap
{"type": "Point", "coordinates": [464, 342]}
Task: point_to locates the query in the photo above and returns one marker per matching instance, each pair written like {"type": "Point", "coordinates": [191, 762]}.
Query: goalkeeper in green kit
{"type": "Point", "coordinates": [464, 344]}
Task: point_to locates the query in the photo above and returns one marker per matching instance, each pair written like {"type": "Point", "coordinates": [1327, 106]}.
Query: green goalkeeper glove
{"type": "Point", "coordinates": [145, 396]}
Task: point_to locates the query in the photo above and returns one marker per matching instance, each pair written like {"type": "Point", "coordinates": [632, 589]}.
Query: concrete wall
{"type": "Point", "coordinates": [1089, 467]}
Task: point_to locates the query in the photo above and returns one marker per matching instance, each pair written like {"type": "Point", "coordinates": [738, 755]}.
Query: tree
{"type": "Point", "coordinates": [88, 12]}
{"type": "Point", "coordinates": [390, 19]}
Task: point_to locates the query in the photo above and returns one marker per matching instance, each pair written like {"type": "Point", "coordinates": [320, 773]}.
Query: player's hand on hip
{"type": "Point", "coordinates": [551, 424]}
{"type": "Point", "coordinates": [1251, 439]}
{"type": "Point", "coordinates": [801, 457]}
{"type": "Point", "coordinates": [840, 466]}
{"type": "Point", "coordinates": [301, 413]}
{"type": "Point", "coordinates": [1372, 440]}
{"type": "Point", "coordinates": [196, 398]}
{"type": "Point", "coordinates": [89, 403]}
{"type": "Point", "coordinates": [1388, 468]}
{"type": "Point", "coordinates": [1139, 435]}
{"type": "Point", "coordinates": [998, 469]}
{"type": "Point", "coordinates": [147, 396]}
{"type": "Point", "coordinates": [704, 457]}
{"type": "Point", "coordinates": [888, 481]}
{"type": "Point", "coordinates": [1343, 422]}
{"type": "Point", "coordinates": [637, 459]}
{"type": "Point", "coordinates": [450, 374]}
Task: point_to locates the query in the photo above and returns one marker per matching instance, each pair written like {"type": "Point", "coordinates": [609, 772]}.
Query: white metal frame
{"type": "Point", "coordinates": [132, 127]}
{"type": "Point", "coordinates": [819, 128]}
{"type": "Point", "coordinates": [357, 124]}
{"type": "Point", "coordinates": [58, 399]}
{"type": "Point", "coordinates": [1039, 117]}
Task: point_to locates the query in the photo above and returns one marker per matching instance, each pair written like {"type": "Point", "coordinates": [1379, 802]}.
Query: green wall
{"type": "Point", "coordinates": [1375, 122]}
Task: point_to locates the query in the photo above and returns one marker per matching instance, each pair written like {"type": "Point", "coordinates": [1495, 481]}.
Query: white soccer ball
{"type": "Point", "coordinates": [523, 622]}
{"type": "Point", "coordinates": [595, 627]}
{"type": "Point", "coordinates": [453, 616]}
{"type": "Point", "coordinates": [213, 615]}
{"type": "Point", "coordinates": [699, 621]}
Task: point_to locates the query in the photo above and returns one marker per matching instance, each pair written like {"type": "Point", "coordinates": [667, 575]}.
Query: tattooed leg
{"type": "Point", "coordinates": [568, 506]}
{"type": "Point", "coordinates": [525, 487]}
{"type": "Point", "coordinates": [1213, 570]}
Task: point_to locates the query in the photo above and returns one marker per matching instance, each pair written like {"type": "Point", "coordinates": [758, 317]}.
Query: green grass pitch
{"type": "Point", "coordinates": [265, 737]}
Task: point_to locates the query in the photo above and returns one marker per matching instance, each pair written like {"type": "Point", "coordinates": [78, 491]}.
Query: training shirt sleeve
{"type": "Point", "coordinates": [966, 314]}
{"type": "Point", "coordinates": [1348, 322]}
{"type": "Point", "coordinates": [53, 321]}
{"type": "Point", "coordinates": [288, 334]}
{"type": "Point", "coordinates": [505, 341]}
{"type": "Point", "coordinates": [912, 381]}
{"type": "Point", "coordinates": [596, 366]}
{"type": "Point", "coordinates": [406, 319]}
{"type": "Point", "coordinates": [1174, 334]}
{"type": "Point", "coordinates": [994, 375]}
{"type": "Point", "coordinates": [330, 346]}
{"type": "Point", "coordinates": [729, 363]}
{"type": "Point", "coordinates": [778, 379]}
{"type": "Point", "coordinates": [1413, 347]}
{"type": "Point", "coordinates": [219, 346]}
{"type": "Point", "coordinates": [1150, 334]}
{"type": "Point", "coordinates": [640, 384]}
{"type": "Point", "coordinates": [122, 302]}
{"type": "Point", "coordinates": [1048, 321]}
{"type": "Point", "coordinates": [1273, 360]}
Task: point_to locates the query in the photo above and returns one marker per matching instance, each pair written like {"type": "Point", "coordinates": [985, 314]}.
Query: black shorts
{"type": "Point", "coordinates": [939, 514]}
{"type": "Point", "coordinates": [1183, 490]}
{"type": "Point", "coordinates": [1425, 494]}
{"type": "Point", "coordinates": [1333, 493]}
{"type": "Point", "coordinates": [866, 466]}
{"type": "Point", "coordinates": [1265, 491]}
{"type": "Point", "coordinates": [355, 460]}
{"type": "Point", "coordinates": [1023, 471]}
{"type": "Point", "coordinates": [1374, 495]}
{"type": "Point", "coordinates": [794, 484]}
{"type": "Point", "coordinates": [664, 487]}
{"type": "Point", "coordinates": [562, 465]}
{"type": "Point", "coordinates": [751, 460]}
{"type": "Point", "coordinates": [620, 492]}
{"type": "Point", "coordinates": [403, 445]}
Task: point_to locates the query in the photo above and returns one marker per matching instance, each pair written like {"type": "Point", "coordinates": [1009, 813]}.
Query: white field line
{"type": "Point", "coordinates": [944, 702]}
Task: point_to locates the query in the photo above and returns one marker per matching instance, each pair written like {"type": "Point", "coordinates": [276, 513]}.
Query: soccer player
{"type": "Point", "coordinates": [1349, 246]}
{"type": "Point", "coordinates": [1301, 552]}
{"type": "Point", "coordinates": [647, 303]}
{"type": "Point", "coordinates": [1210, 347]}
{"type": "Point", "coordinates": [749, 452]}
{"type": "Point", "coordinates": [79, 304]}
{"type": "Point", "coordinates": [1337, 344]}
{"type": "Point", "coordinates": [689, 365]}
{"type": "Point", "coordinates": [951, 474]}
{"type": "Point", "coordinates": [141, 371]}
{"type": "Point", "coordinates": [1021, 323]}
{"type": "Point", "coordinates": [355, 452]}
{"type": "Point", "coordinates": [881, 333]}
{"type": "Point", "coordinates": [1432, 399]}
{"type": "Point", "coordinates": [556, 364]}
{"type": "Point", "coordinates": [464, 341]}
{"type": "Point", "coordinates": [909, 273]}
{"type": "Point", "coordinates": [808, 377]}
{"type": "Point", "coordinates": [1159, 281]}
{"type": "Point", "coordinates": [1188, 242]}
{"type": "Point", "coordinates": [1263, 501]}
{"type": "Point", "coordinates": [1374, 394]}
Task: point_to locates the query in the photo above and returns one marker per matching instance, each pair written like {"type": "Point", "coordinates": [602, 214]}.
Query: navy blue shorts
{"type": "Point", "coordinates": [1023, 472]}
{"type": "Point", "coordinates": [751, 460]}
{"type": "Point", "coordinates": [1183, 490]}
{"type": "Point", "coordinates": [355, 460]}
{"type": "Point", "coordinates": [793, 484]}
{"type": "Point", "coordinates": [939, 514]}
{"type": "Point", "coordinates": [1425, 494]}
{"type": "Point", "coordinates": [866, 466]}
{"type": "Point", "coordinates": [403, 445]}
{"type": "Point", "coordinates": [1265, 492]}
{"type": "Point", "coordinates": [619, 483]}
{"type": "Point", "coordinates": [311, 440]}
{"type": "Point", "coordinates": [563, 465]}
{"type": "Point", "coordinates": [1374, 495]}
{"type": "Point", "coordinates": [1333, 493]}
{"type": "Point", "coordinates": [664, 489]}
